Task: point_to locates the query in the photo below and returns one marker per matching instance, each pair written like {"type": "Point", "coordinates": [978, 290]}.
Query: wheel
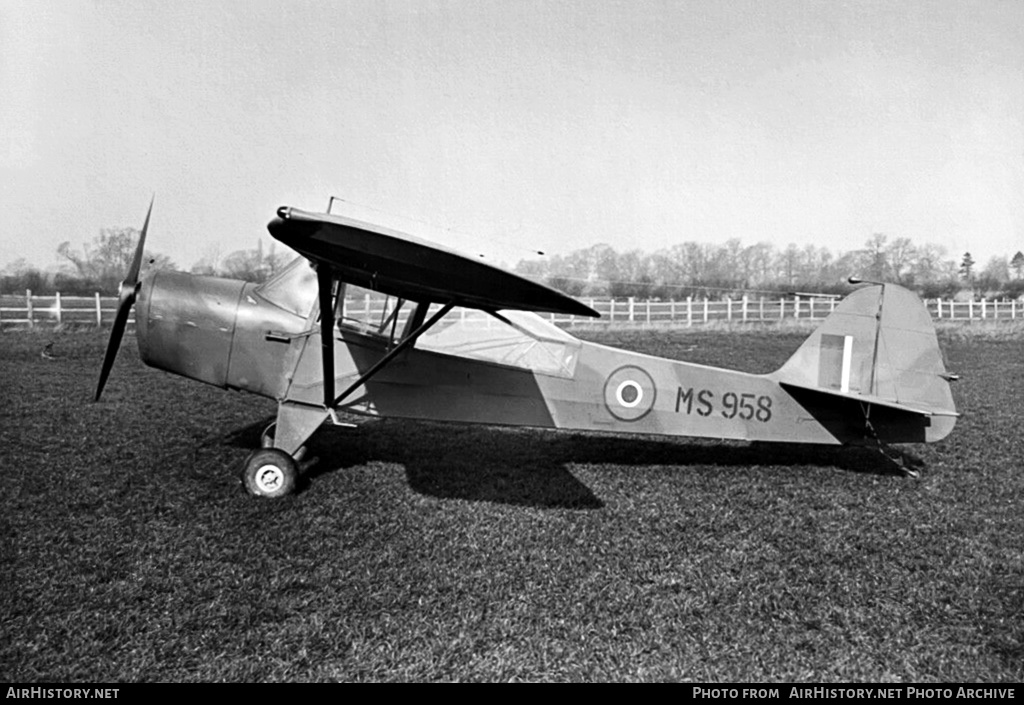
{"type": "Point", "coordinates": [270, 472]}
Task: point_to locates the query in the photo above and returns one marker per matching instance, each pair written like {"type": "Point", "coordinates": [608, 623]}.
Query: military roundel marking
{"type": "Point", "coordinates": [629, 393]}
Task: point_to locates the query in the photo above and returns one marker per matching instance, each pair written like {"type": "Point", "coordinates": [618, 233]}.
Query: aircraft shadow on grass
{"type": "Point", "coordinates": [529, 467]}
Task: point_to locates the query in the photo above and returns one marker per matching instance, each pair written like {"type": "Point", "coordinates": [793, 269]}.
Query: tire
{"type": "Point", "coordinates": [270, 472]}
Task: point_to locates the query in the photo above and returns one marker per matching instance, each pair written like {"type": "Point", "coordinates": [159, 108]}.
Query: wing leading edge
{"type": "Point", "coordinates": [401, 265]}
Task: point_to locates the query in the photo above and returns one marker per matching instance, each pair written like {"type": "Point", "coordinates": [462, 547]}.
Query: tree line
{"type": "Point", "coordinates": [717, 270]}
{"type": "Point", "coordinates": [685, 269]}
{"type": "Point", "coordinates": [101, 265]}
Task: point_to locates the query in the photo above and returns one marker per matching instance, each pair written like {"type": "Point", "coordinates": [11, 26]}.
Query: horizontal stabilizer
{"type": "Point", "coordinates": [401, 265]}
{"type": "Point", "coordinates": [875, 401]}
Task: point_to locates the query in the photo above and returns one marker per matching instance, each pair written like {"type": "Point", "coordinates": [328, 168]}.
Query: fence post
{"type": "Point", "coordinates": [796, 307]}
{"type": "Point", "coordinates": [984, 306]}
{"type": "Point", "coordinates": [760, 309]}
{"type": "Point", "coordinates": [744, 308]}
{"type": "Point", "coordinates": [57, 304]}
{"type": "Point", "coordinates": [728, 309]}
{"type": "Point", "coordinates": [705, 309]}
{"type": "Point", "coordinates": [632, 308]}
{"type": "Point", "coordinates": [782, 307]}
{"type": "Point", "coordinates": [970, 309]}
{"type": "Point", "coordinates": [648, 312]}
{"type": "Point", "coordinates": [99, 311]}
{"type": "Point", "coordinates": [28, 305]}
{"type": "Point", "coordinates": [672, 311]}
{"type": "Point", "coordinates": [689, 311]}
{"type": "Point", "coordinates": [611, 310]}
{"type": "Point", "coordinates": [1013, 308]}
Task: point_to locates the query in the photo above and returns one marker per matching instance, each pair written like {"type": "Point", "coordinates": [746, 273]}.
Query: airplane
{"type": "Point", "coordinates": [376, 322]}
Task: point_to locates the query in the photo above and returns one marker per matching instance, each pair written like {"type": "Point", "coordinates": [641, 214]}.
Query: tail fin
{"type": "Point", "coordinates": [873, 369]}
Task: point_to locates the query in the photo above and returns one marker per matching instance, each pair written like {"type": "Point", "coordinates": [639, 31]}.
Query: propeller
{"type": "Point", "coordinates": [126, 294]}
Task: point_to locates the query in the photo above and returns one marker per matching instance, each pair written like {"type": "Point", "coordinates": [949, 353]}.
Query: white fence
{"type": "Point", "coordinates": [30, 310]}
{"type": "Point", "coordinates": [96, 310]}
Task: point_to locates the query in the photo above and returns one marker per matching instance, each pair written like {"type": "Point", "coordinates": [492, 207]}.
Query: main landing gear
{"type": "Point", "coordinates": [271, 472]}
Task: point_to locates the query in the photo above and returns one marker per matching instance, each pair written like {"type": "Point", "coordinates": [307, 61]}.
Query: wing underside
{"type": "Point", "coordinates": [401, 265]}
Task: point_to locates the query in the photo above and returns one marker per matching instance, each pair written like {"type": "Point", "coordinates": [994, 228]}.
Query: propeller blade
{"type": "Point", "coordinates": [125, 300]}
{"type": "Point", "coordinates": [133, 273]}
{"type": "Point", "coordinates": [114, 344]}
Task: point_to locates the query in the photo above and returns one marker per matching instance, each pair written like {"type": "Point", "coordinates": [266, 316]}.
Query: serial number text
{"type": "Point", "coordinates": [730, 405]}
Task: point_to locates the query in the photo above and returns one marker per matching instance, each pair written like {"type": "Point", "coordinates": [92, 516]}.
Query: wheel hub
{"type": "Point", "coordinates": [269, 478]}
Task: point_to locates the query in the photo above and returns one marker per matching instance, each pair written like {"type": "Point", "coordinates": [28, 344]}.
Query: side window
{"type": "Point", "coordinates": [371, 312]}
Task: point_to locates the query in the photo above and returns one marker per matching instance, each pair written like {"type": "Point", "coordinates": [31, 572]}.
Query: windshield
{"type": "Point", "coordinates": [294, 289]}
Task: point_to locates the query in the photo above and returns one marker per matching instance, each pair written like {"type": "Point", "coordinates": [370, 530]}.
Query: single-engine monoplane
{"type": "Point", "coordinates": [373, 321]}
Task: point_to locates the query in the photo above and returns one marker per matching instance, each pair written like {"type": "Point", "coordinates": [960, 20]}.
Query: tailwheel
{"type": "Point", "coordinates": [902, 463]}
{"type": "Point", "coordinates": [270, 472]}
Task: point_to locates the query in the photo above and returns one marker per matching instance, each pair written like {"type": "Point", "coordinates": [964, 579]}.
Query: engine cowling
{"type": "Point", "coordinates": [185, 324]}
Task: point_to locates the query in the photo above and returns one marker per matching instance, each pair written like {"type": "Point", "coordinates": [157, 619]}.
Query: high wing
{"type": "Point", "coordinates": [401, 265]}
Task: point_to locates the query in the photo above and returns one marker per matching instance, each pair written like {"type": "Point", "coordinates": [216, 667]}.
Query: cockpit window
{"type": "Point", "coordinates": [514, 338]}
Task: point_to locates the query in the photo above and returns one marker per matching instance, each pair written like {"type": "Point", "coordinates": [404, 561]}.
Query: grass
{"type": "Point", "coordinates": [439, 552]}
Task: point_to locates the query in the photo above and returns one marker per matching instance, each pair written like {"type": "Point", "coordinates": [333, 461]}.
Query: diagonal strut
{"type": "Point", "coordinates": [406, 342]}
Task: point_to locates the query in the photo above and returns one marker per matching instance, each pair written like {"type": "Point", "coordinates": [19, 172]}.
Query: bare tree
{"type": "Point", "coordinates": [931, 264]}
{"type": "Point", "coordinates": [877, 257]}
{"type": "Point", "coordinates": [901, 256]}
{"type": "Point", "coordinates": [103, 263]}
{"type": "Point", "coordinates": [995, 274]}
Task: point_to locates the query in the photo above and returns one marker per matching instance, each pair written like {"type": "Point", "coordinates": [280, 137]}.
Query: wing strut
{"type": "Point", "coordinates": [406, 342]}
{"type": "Point", "coordinates": [325, 278]}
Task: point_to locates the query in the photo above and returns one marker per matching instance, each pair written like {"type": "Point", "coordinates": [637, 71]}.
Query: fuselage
{"type": "Point", "coordinates": [507, 371]}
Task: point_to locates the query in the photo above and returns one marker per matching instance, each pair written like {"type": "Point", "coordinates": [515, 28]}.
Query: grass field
{"type": "Point", "coordinates": [423, 551]}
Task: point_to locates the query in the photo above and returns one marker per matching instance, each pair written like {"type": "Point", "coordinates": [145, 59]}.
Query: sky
{"type": "Point", "coordinates": [505, 127]}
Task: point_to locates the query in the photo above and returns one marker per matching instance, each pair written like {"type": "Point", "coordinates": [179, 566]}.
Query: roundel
{"type": "Point", "coordinates": [629, 393]}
